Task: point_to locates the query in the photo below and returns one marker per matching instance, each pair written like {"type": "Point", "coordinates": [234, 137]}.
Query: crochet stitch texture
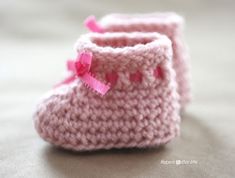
{"type": "Point", "coordinates": [169, 24]}
{"type": "Point", "coordinates": [141, 109]}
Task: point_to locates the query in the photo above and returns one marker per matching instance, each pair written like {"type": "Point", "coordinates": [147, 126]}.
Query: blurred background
{"type": "Point", "coordinates": [37, 37]}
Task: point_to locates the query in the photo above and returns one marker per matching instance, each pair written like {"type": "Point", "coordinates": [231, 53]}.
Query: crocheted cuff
{"type": "Point", "coordinates": [169, 24]}
{"type": "Point", "coordinates": [122, 58]}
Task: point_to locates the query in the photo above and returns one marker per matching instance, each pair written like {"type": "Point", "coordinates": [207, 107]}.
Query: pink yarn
{"type": "Point", "coordinates": [169, 24]}
{"type": "Point", "coordinates": [132, 114]}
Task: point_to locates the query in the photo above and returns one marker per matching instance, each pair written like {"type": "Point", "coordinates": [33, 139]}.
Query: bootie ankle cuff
{"type": "Point", "coordinates": [169, 24]}
{"type": "Point", "coordinates": [131, 100]}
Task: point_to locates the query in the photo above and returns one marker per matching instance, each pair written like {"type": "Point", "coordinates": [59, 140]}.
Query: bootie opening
{"type": "Point", "coordinates": [145, 17]}
{"type": "Point", "coordinates": [170, 24]}
{"type": "Point", "coordinates": [120, 41]}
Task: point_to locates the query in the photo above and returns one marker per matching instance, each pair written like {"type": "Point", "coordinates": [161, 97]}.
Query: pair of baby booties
{"type": "Point", "coordinates": [125, 89]}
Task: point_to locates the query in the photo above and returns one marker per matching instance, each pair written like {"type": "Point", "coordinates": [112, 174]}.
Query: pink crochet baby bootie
{"type": "Point", "coordinates": [138, 108]}
{"type": "Point", "coordinates": [169, 24]}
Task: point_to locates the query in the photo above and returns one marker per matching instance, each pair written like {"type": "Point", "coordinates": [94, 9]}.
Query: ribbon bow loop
{"type": "Point", "coordinates": [81, 68]}
{"type": "Point", "coordinates": [93, 25]}
{"type": "Point", "coordinates": [83, 63]}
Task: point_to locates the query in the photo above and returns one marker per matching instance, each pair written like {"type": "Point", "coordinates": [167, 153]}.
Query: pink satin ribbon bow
{"type": "Point", "coordinates": [81, 69]}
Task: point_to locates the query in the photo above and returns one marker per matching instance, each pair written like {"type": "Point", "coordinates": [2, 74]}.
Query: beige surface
{"type": "Point", "coordinates": [36, 39]}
